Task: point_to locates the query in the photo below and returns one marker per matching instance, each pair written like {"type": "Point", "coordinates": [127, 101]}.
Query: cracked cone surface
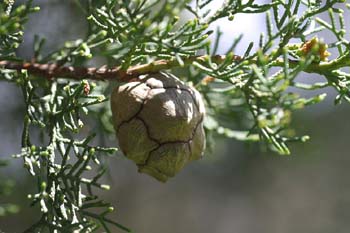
{"type": "Point", "coordinates": [159, 123]}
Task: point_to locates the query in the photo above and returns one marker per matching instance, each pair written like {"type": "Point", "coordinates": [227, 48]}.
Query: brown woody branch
{"type": "Point", "coordinates": [51, 71]}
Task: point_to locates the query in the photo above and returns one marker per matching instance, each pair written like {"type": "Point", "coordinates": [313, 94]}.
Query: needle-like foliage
{"type": "Point", "coordinates": [249, 96]}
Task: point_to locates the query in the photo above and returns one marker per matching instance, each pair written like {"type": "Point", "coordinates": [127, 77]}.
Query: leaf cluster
{"type": "Point", "coordinates": [258, 83]}
{"type": "Point", "coordinates": [63, 164]}
{"type": "Point", "coordinates": [250, 97]}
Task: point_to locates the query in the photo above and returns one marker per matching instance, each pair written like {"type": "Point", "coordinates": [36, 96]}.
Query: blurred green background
{"type": "Point", "coordinates": [236, 188]}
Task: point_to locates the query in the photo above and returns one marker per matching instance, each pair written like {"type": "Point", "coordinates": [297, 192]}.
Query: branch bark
{"type": "Point", "coordinates": [51, 71]}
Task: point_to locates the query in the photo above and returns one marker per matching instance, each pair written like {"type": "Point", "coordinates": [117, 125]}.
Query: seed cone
{"type": "Point", "coordinates": [159, 123]}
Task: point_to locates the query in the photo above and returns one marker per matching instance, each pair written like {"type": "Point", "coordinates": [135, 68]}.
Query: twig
{"type": "Point", "coordinates": [117, 74]}
{"type": "Point", "coordinates": [36, 225]}
{"type": "Point", "coordinates": [51, 71]}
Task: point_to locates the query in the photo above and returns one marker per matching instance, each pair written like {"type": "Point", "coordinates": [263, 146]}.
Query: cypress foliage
{"type": "Point", "coordinates": [247, 96]}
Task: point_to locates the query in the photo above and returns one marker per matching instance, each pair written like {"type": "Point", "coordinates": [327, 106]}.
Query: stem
{"type": "Point", "coordinates": [35, 226]}
{"type": "Point", "coordinates": [103, 219]}
{"type": "Point", "coordinates": [51, 71]}
{"type": "Point", "coordinates": [113, 74]}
